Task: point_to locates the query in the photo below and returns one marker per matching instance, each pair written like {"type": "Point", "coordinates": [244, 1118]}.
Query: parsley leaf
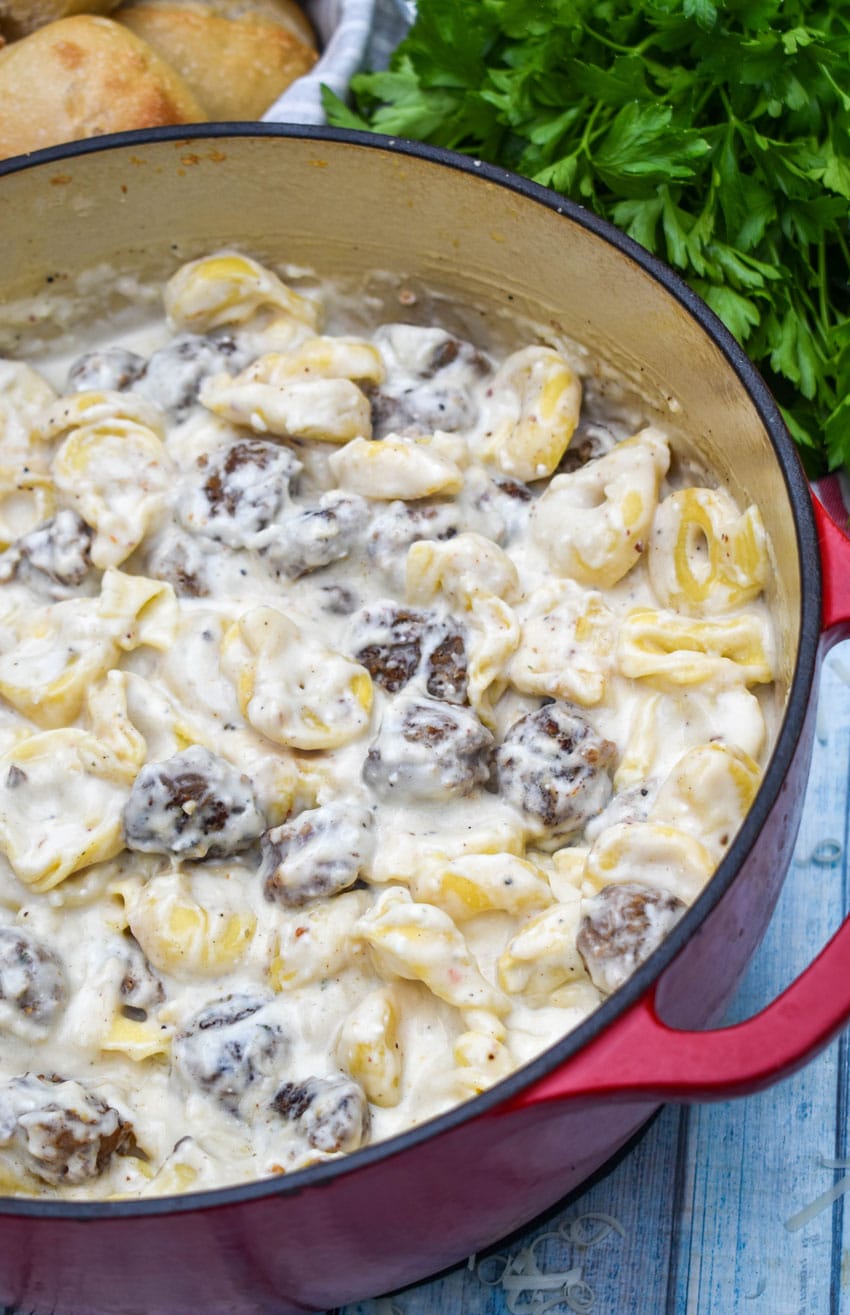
{"type": "Point", "coordinates": [714, 132]}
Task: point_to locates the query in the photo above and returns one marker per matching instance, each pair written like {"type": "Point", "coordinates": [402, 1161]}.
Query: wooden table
{"type": "Point", "coordinates": [701, 1203]}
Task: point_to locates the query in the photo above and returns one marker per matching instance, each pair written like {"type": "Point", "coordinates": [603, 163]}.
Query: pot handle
{"type": "Point", "coordinates": [639, 1056]}
{"type": "Point", "coordinates": [834, 547]}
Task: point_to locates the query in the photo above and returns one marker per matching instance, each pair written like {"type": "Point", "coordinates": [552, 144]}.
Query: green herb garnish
{"type": "Point", "coordinates": [715, 134]}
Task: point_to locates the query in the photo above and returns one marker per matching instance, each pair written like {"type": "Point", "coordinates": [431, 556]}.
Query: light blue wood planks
{"type": "Point", "coordinates": [704, 1197]}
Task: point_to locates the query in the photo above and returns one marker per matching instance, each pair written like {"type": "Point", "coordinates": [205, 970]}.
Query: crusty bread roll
{"type": "Point", "coordinates": [83, 76]}
{"type": "Point", "coordinates": [20, 17]}
{"type": "Point", "coordinates": [286, 12]}
{"type": "Point", "coordinates": [236, 59]}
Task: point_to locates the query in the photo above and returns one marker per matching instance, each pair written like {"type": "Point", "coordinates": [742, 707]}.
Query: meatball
{"type": "Point", "coordinates": [54, 558]}
{"type": "Point", "coordinates": [621, 927]}
{"type": "Point", "coordinates": [230, 1048]}
{"type": "Point", "coordinates": [446, 668]}
{"type": "Point", "coordinates": [244, 490]}
{"type": "Point", "coordinates": [503, 504]}
{"type": "Point", "coordinates": [393, 643]}
{"type": "Point", "coordinates": [182, 561]}
{"type": "Point", "coordinates": [140, 987]}
{"type": "Point", "coordinates": [588, 442]}
{"type": "Point", "coordinates": [111, 369]}
{"type": "Point", "coordinates": [400, 524]}
{"type": "Point", "coordinates": [338, 599]}
{"type": "Point", "coordinates": [33, 990]}
{"type": "Point", "coordinates": [554, 767]}
{"type": "Point", "coordinates": [319, 853]}
{"type": "Point", "coordinates": [173, 375]}
{"type": "Point", "coordinates": [332, 1113]}
{"type": "Point", "coordinates": [428, 750]}
{"type": "Point", "coordinates": [194, 805]}
{"type": "Point", "coordinates": [430, 387]}
{"type": "Point", "coordinates": [308, 540]}
{"type": "Point", "coordinates": [58, 1131]}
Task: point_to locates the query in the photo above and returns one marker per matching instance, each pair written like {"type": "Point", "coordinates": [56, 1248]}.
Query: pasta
{"type": "Point", "coordinates": [371, 707]}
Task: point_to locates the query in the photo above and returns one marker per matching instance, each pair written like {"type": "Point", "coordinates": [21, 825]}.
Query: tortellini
{"type": "Point", "coordinates": [324, 410]}
{"type": "Point", "coordinates": [481, 1053]}
{"type": "Point", "coordinates": [566, 648]}
{"type": "Point", "coordinates": [228, 288]}
{"type": "Point", "coordinates": [115, 472]}
{"type": "Point", "coordinates": [184, 934]}
{"type": "Point", "coordinates": [666, 724]}
{"type": "Point", "coordinates": [543, 397]}
{"type": "Point", "coordinates": [420, 942]}
{"type": "Point", "coordinates": [653, 853]}
{"type": "Point", "coordinates": [479, 883]}
{"type": "Point", "coordinates": [321, 358]}
{"type": "Point", "coordinates": [462, 568]}
{"type": "Point", "coordinates": [474, 575]}
{"type": "Point", "coordinates": [669, 650]}
{"type": "Point", "coordinates": [27, 499]}
{"type": "Point", "coordinates": [369, 1049]}
{"type": "Point", "coordinates": [399, 859]}
{"type": "Point", "coordinates": [396, 468]}
{"type": "Point", "coordinates": [317, 943]}
{"type": "Point", "coordinates": [24, 394]}
{"type": "Point", "coordinates": [291, 689]}
{"type": "Point", "coordinates": [61, 799]}
{"type": "Point", "coordinates": [708, 793]}
{"type": "Point", "coordinates": [593, 525]}
{"type": "Point", "coordinates": [704, 555]}
{"type": "Point", "coordinates": [138, 1039]}
{"type": "Point", "coordinates": [542, 955]}
{"type": "Point", "coordinates": [50, 656]}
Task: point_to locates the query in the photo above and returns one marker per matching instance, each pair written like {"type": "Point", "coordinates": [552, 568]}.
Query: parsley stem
{"type": "Point", "coordinates": [637, 49]}
{"type": "Point", "coordinates": [822, 288]}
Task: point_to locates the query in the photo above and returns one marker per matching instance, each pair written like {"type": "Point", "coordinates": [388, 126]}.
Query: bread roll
{"type": "Point", "coordinates": [236, 62]}
{"type": "Point", "coordinates": [83, 76]}
{"type": "Point", "coordinates": [20, 17]}
{"type": "Point", "coordinates": [286, 12]}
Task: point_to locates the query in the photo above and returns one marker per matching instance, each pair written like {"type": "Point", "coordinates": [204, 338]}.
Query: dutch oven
{"type": "Point", "coordinates": [390, 1214]}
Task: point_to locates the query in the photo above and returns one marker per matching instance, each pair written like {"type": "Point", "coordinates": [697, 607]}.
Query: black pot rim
{"type": "Point", "coordinates": [799, 497]}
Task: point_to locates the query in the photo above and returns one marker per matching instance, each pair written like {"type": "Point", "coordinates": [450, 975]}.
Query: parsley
{"type": "Point", "coordinates": [715, 132]}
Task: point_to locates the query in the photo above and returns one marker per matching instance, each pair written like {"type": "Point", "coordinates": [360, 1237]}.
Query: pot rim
{"type": "Point", "coordinates": [800, 688]}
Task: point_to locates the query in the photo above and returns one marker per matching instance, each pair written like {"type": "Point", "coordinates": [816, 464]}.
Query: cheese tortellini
{"type": "Point", "coordinates": [372, 705]}
{"type": "Point", "coordinates": [296, 692]}
{"type": "Point", "coordinates": [593, 524]}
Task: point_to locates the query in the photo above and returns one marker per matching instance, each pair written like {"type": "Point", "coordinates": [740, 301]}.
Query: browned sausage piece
{"type": "Point", "coordinates": [33, 989]}
{"type": "Point", "coordinates": [554, 767]}
{"type": "Point", "coordinates": [307, 540]}
{"type": "Point", "coordinates": [230, 1047]}
{"type": "Point", "coordinates": [393, 642]}
{"type": "Point", "coordinates": [113, 369]}
{"type": "Point", "coordinates": [428, 750]}
{"type": "Point", "coordinates": [332, 1113]}
{"type": "Point", "coordinates": [194, 805]}
{"type": "Point", "coordinates": [57, 1130]}
{"type": "Point", "coordinates": [241, 492]}
{"type": "Point", "coordinates": [621, 927]}
{"type": "Point", "coordinates": [173, 376]}
{"type": "Point", "coordinates": [53, 559]}
{"type": "Point", "coordinates": [317, 854]}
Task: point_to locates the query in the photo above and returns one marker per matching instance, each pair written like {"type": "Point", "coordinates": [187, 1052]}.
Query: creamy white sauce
{"type": "Point", "coordinates": [300, 851]}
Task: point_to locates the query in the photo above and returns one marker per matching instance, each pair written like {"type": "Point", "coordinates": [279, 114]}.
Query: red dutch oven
{"type": "Point", "coordinates": [503, 248]}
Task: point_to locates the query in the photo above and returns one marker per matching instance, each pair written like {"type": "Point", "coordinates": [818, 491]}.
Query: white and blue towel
{"type": "Point", "coordinates": [353, 35]}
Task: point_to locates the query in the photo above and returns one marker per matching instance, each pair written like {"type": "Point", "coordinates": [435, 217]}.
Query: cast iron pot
{"type": "Point", "coordinates": [395, 1212]}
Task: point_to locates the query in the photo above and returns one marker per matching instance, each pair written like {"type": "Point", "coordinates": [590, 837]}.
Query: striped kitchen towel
{"type": "Point", "coordinates": [354, 35]}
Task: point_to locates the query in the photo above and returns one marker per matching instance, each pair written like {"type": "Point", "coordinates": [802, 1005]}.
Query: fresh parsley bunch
{"type": "Point", "coordinates": [714, 132]}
